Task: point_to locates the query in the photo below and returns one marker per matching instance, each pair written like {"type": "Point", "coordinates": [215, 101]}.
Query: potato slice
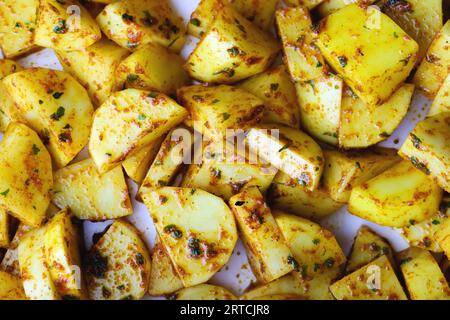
{"type": "Point", "coordinates": [320, 107]}
{"type": "Point", "coordinates": [367, 247]}
{"type": "Point", "coordinates": [10, 262]}
{"type": "Point", "coordinates": [310, 4]}
{"type": "Point", "coordinates": [397, 197]}
{"type": "Point", "coordinates": [197, 249]}
{"type": "Point", "coordinates": [442, 235]}
{"type": "Point", "coordinates": [268, 253]}
{"type": "Point", "coordinates": [423, 277]}
{"type": "Point", "coordinates": [37, 280]}
{"type": "Point", "coordinates": [233, 49]}
{"type": "Point", "coordinates": [17, 26]}
{"type": "Point", "coordinates": [94, 67]}
{"type": "Point", "coordinates": [328, 7]}
{"type": "Point", "coordinates": [118, 265]}
{"type": "Point", "coordinates": [91, 196]}
{"type": "Point", "coordinates": [434, 69]}
{"type": "Point", "coordinates": [7, 107]}
{"type": "Point", "coordinates": [163, 276]}
{"type": "Point", "coordinates": [204, 292]}
{"type": "Point", "coordinates": [345, 170]}
{"type": "Point", "coordinates": [11, 287]}
{"type": "Point", "coordinates": [65, 25]}
{"type": "Point", "coordinates": [275, 88]}
{"type": "Point", "coordinates": [56, 106]}
{"type": "Point", "coordinates": [25, 175]}
{"type": "Point", "coordinates": [428, 147]}
{"type": "Point", "coordinates": [4, 229]}
{"type": "Point", "coordinates": [314, 249]}
{"type": "Point", "coordinates": [134, 23]}
{"type": "Point", "coordinates": [138, 118]}
{"type": "Point", "coordinates": [290, 151]}
{"type": "Point", "coordinates": [441, 102]}
{"type": "Point", "coordinates": [362, 126]}
{"type": "Point", "coordinates": [368, 50]}
{"type": "Point", "coordinates": [375, 281]}
{"type": "Point", "coordinates": [62, 243]}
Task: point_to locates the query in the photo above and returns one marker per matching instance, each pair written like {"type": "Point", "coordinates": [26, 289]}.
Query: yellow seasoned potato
{"type": "Point", "coordinates": [435, 67]}
{"type": "Point", "coordinates": [423, 277]}
{"type": "Point", "coordinates": [441, 102]}
{"type": "Point", "coordinates": [7, 108]}
{"type": "Point", "coordinates": [428, 147]}
{"type": "Point", "coordinates": [290, 151]}
{"type": "Point", "coordinates": [327, 7]}
{"type": "Point", "coordinates": [367, 247]}
{"type": "Point", "coordinates": [137, 117]}
{"type": "Point", "coordinates": [62, 241]}
{"type": "Point", "coordinates": [442, 235]}
{"type": "Point", "coordinates": [267, 251]}
{"type": "Point", "coordinates": [137, 165]}
{"type": "Point", "coordinates": [303, 58]}
{"type": "Point", "coordinates": [314, 249]}
{"type": "Point", "coordinates": [26, 175]}
{"type": "Point", "coordinates": [94, 67]}
{"type": "Point", "coordinates": [289, 195]}
{"type": "Point", "coordinates": [197, 249]}
{"type": "Point", "coordinates": [56, 106]}
{"type": "Point", "coordinates": [375, 281]}
{"type": "Point", "coordinates": [310, 4]}
{"type": "Point", "coordinates": [345, 170]}
{"type": "Point", "coordinates": [118, 265]}
{"type": "Point", "coordinates": [275, 88]}
{"type": "Point", "coordinates": [400, 196]}
{"type": "Point", "coordinates": [10, 262]}
{"type": "Point", "coordinates": [204, 292]}
{"type": "Point", "coordinates": [134, 23]}
{"type": "Point", "coordinates": [17, 25]}
{"type": "Point", "coordinates": [152, 67]}
{"type": "Point", "coordinates": [89, 195]}
{"type": "Point", "coordinates": [320, 107]}
{"type": "Point", "coordinates": [11, 287]}
{"type": "Point", "coordinates": [362, 126]}
{"type": "Point", "coordinates": [4, 228]}
{"type": "Point", "coordinates": [163, 276]}
{"type": "Point", "coordinates": [215, 109]}
{"type": "Point", "coordinates": [368, 50]}
{"type": "Point", "coordinates": [65, 25]}
{"type": "Point", "coordinates": [35, 273]}
{"type": "Point", "coordinates": [233, 49]}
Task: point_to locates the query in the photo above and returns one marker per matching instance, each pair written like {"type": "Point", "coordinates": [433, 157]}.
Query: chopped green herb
{"type": "Point", "coordinates": [35, 149]}
{"type": "Point", "coordinates": [291, 260]}
{"type": "Point", "coordinates": [173, 231]}
{"type": "Point", "coordinates": [228, 71]}
{"type": "Point", "coordinates": [343, 61]}
{"type": "Point", "coordinates": [57, 95]}
{"type": "Point", "coordinates": [419, 165]}
{"type": "Point", "coordinates": [41, 102]}
{"type": "Point", "coordinates": [58, 114]}
{"type": "Point", "coordinates": [216, 173]}
{"type": "Point", "coordinates": [140, 259]}
{"type": "Point", "coordinates": [358, 165]}
{"type": "Point", "coordinates": [319, 64]}
{"type": "Point", "coordinates": [195, 22]}
{"type": "Point", "coordinates": [239, 203]}
{"type": "Point", "coordinates": [436, 222]}
{"type": "Point", "coordinates": [415, 141]}
{"type": "Point", "coordinates": [194, 246]}
{"type": "Point", "coordinates": [152, 95]}
{"type": "Point", "coordinates": [316, 241]}
{"type": "Point", "coordinates": [274, 86]}
{"type": "Point", "coordinates": [5, 193]}
{"type": "Point", "coordinates": [127, 17]}
{"type": "Point", "coordinates": [61, 27]}
{"type": "Point", "coordinates": [132, 77]}
{"type": "Point", "coordinates": [149, 20]}
{"type": "Point", "coordinates": [405, 260]}
{"type": "Point", "coordinates": [234, 51]}
{"type": "Point", "coordinates": [141, 117]}
{"type": "Point", "coordinates": [240, 26]}
{"type": "Point", "coordinates": [412, 222]}
{"type": "Point", "coordinates": [226, 116]}
{"type": "Point", "coordinates": [215, 101]}
{"type": "Point", "coordinates": [329, 263]}
{"type": "Point", "coordinates": [286, 146]}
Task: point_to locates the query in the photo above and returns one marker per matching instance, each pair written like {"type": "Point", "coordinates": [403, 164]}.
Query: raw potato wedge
{"type": "Point", "coordinates": [163, 276]}
{"type": "Point", "coordinates": [213, 110]}
{"type": "Point", "coordinates": [428, 147]}
{"type": "Point", "coordinates": [118, 265]}
{"type": "Point", "coordinates": [94, 67]}
{"type": "Point", "coordinates": [320, 107]}
{"type": "Point", "coordinates": [368, 50]}
{"type": "Point", "coordinates": [10, 262]}
{"type": "Point", "coordinates": [314, 249]}
{"type": "Point", "coordinates": [4, 229]}
{"type": "Point", "coordinates": [56, 106]}
{"type": "Point", "coordinates": [65, 25]}
{"type": "Point", "coordinates": [423, 277]}
{"type": "Point", "coordinates": [345, 170]}
{"type": "Point", "coordinates": [362, 126]}
{"type": "Point", "coordinates": [138, 118]}
{"type": "Point", "coordinates": [89, 195]}
{"type": "Point", "coordinates": [17, 26]}
{"type": "Point", "coordinates": [328, 7]}
{"type": "Point", "coordinates": [7, 107]}
{"type": "Point", "coordinates": [275, 88]}
{"type": "Point", "coordinates": [397, 197]}
{"type": "Point", "coordinates": [26, 175]}
{"type": "Point", "coordinates": [375, 281]}
{"type": "Point", "coordinates": [134, 23]}
{"type": "Point", "coordinates": [290, 151]}
{"type": "Point", "coordinates": [367, 247]}
{"type": "Point", "coordinates": [11, 287]}
{"type": "Point", "coordinates": [434, 69]}
{"type": "Point", "coordinates": [197, 249]}
{"type": "Point", "coordinates": [268, 253]}
{"type": "Point", "coordinates": [310, 4]}
{"type": "Point", "coordinates": [288, 195]}
{"type": "Point", "coordinates": [204, 292]}
{"type": "Point", "coordinates": [441, 102]}
{"type": "Point", "coordinates": [233, 49]}
{"type": "Point", "coordinates": [303, 58]}
{"type": "Point", "coordinates": [152, 67]}
{"type": "Point", "coordinates": [37, 280]}
{"type": "Point", "coordinates": [62, 243]}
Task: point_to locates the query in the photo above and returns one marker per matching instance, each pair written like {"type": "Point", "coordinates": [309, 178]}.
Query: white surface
{"type": "Point", "coordinates": [236, 275]}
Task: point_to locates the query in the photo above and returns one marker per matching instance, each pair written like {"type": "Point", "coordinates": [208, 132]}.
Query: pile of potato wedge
{"type": "Point", "coordinates": [310, 124]}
